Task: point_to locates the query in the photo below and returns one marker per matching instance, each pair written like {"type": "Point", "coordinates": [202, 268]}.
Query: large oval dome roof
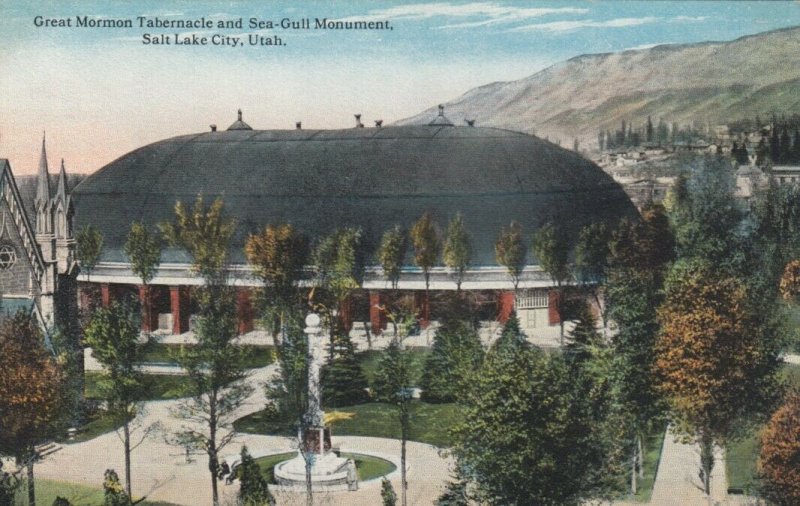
{"type": "Point", "coordinates": [372, 178]}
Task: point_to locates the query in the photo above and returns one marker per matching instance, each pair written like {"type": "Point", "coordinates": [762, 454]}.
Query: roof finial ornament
{"type": "Point", "coordinates": [441, 110]}
{"type": "Point", "coordinates": [240, 115]}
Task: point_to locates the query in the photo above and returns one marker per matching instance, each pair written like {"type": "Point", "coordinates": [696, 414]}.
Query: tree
{"type": "Point", "coordinates": [583, 336]}
{"type": "Point", "coordinates": [393, 384]}
{"type": "Point", "coordinates": [9, 482]}
{"type": "Point", "coordinates": [455, 354]}
{"type": "Point", "coordinates": [339, 270]}
{"type": "Point", "coordinates": [649, 130]}
{"type": "Point", "coordinates": [427, 246]}
{"type": "Point", "coordinates": [215, 366]}
{"type": "Point", "coordinates": [780, 454]}
{"type": "Point", "coordinates": [144, 251]}
{"type": "Point", "coordinates": [31, 393]}
{"type": "Point", "coordinates": [706, 217]}
{"type": "Point", "coordinates": [509, 250]}
{"type": "Point", "coordinates": [343, 380]}
{"type": "Point", "coordinates": [640, 254]}
{"type": "Point", "coordinates": [114, 494]}
{"type": "Point", "coordinates": [710, 362]}
{"type": "Point", "coordinates": [254, 488]}
{"type": "Point", "coordinates": [551, 249]}
{"type": "Point", "coordinates": [277, 255]}
{"type": "Point", "coordinates": [89, 246]}
{"type": "Point", "coordinates": [113, 335]}
{"type": "Point", "coordinates": [457, 250]}
{"type": "Point", "coordinates": [392, 253]}
{"type": "Point", "coordinates": [591, 260]}
{"type": "Point", "coordinates": [512, 338]}
{"type": "Point", "coordinates": [542, 448]}
{"type": "Point", "coordinates": [388, 495]}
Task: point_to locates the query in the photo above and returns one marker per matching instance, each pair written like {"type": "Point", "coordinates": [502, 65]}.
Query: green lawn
{"type": "Point", "coordinates": [97, 425]}
{"type": "Point", "coordinates": [256, 356]}
{"type": "Point", "coordinates": [369, 363]}
{"type": "Point", "coordinates": [652, 457]}
{"type": "Point", "coordinates": [742, 455]}
{"type": "Point", "coordinates": [430, 423]}
{"type": "Point", "coordinates": [158, 386]}
{"type": "Point", "coordinates": [368, 467]}
{"type": "Point", "coordinates": [79, 495]}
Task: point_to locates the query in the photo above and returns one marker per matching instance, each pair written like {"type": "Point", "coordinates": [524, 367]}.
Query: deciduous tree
{"type": "Point", "coordinates": [113, 335]}
{"type": "Point", "coordinates": [551, 249]}
{"type": "Point", "coordinates": [277, 255]}
{"type": "Point", "coordinates": [144, 252]}
{"type": "Point", "coordinates": [457, 250]}
{"type": "Point", "coordinates": [427, 246]}
{"type": "Point", "coordinates": [392, 253]}
{"type": "Point", "coordinates": [31, 393]}
{"type": "Point", "coordinates": [215, 365]}
{"type": "Point", "coordinates": [509, 250]}
{"type": "Point", "coordinates": [709, 360]}
{"type": "Point", "coordinates": [780, 454]}
{"type": "Point", "coordinates": [89, 246]}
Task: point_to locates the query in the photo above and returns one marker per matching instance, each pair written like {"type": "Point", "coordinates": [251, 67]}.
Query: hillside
{"type": "Point", "coordinates": [711, 82]}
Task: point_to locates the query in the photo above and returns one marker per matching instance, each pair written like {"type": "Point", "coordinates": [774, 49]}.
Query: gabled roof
{"type": "Point", "coordinates": [10, 193]}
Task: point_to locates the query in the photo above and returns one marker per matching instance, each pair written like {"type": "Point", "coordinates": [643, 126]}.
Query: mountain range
{"type": "Point", "coordinates": [708, 83]}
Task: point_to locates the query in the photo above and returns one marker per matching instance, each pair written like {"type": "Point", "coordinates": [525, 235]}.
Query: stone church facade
{"type": "Point", "coordinates": [37, 247]}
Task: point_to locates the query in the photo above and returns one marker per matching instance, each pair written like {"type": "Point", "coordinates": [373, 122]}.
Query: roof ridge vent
{"type": "Point", "coordinates": [299, 125]}
{"type": "Point", "coordinates": [469, 122]}
{"type": "Point", "coordinates": [441, 119]}
{"type": "Point", "coordinates": [378, 123]}
{"type": "Point", "coordinates": [359, 124]}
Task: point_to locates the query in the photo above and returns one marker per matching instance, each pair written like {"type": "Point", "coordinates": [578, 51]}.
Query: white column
{"type": "Point", "coordinates": [314, 415]}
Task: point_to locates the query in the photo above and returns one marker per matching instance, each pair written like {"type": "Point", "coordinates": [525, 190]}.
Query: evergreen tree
{"type": "Point", "coordinates": [601, 140]}
{"type": "Point", "coordinates": [114, 494]}
{"type": "Point", "coordinates": [662, 132]}
{"type": "Point", "coordinates": [512, 338]}
{"type": "Point", "coordinates": [583, 336]}
{"type": "Point", "coordinates": [455, 354]}
{"type": "Point", "coordinates": [343, 380]}
{"type": "Point", "coordinates": [254, 488]}
{"type": "Point", "coordinates": [796, 146]}
{"type": "Point", "coordinates": [388, 495]}
{"type": "Point", "coordinates": [649, 130]}
{"type": "Point", "coordinates": [785, 147]}
{"type": "Point", "coordinates": [393, 384]}
{"type": "Point", "coordinates": [520, 453]}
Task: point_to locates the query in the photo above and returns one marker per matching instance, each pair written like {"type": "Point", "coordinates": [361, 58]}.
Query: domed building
{"type": "Point", "coordinates": [370, 178]}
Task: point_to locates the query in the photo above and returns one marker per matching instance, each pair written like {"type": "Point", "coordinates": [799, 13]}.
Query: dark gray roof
{"type": "Point", "coordinates": [368, 177]}
{"type": "Point", "coordinates": [27, 190]}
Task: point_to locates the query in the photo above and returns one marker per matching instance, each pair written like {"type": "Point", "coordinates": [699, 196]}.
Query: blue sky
{"type": "Point", "coordinates": [100, 92]}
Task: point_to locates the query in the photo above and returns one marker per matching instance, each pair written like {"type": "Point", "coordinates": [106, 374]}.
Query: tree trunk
{"type": "Point", "coordinates": [633, 473]}
{"type": "Point", "coordinates": [213, 464]}
{"type": "Point", "coordinates": [31, 485]}
{"type": "Point", "coordinates": [706, 461]}
{"type": "Point", "coordinates": [641, 456]}
{"type": "Point", "coordinates": [404, 438]}
{"type": "Point", "coordinates": [127, 445]}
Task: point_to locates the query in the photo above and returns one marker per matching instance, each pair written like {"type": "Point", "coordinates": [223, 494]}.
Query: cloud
{"type": "Point", "coordinates": [688, 19]}
{"type": "Point", "coordinates": [490, 12]}
{"type": "Point", "coordinates": [565, 26]}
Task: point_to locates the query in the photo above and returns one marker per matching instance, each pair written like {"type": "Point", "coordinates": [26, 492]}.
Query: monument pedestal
{"type": "Point", "coordinates": [327, 470]}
